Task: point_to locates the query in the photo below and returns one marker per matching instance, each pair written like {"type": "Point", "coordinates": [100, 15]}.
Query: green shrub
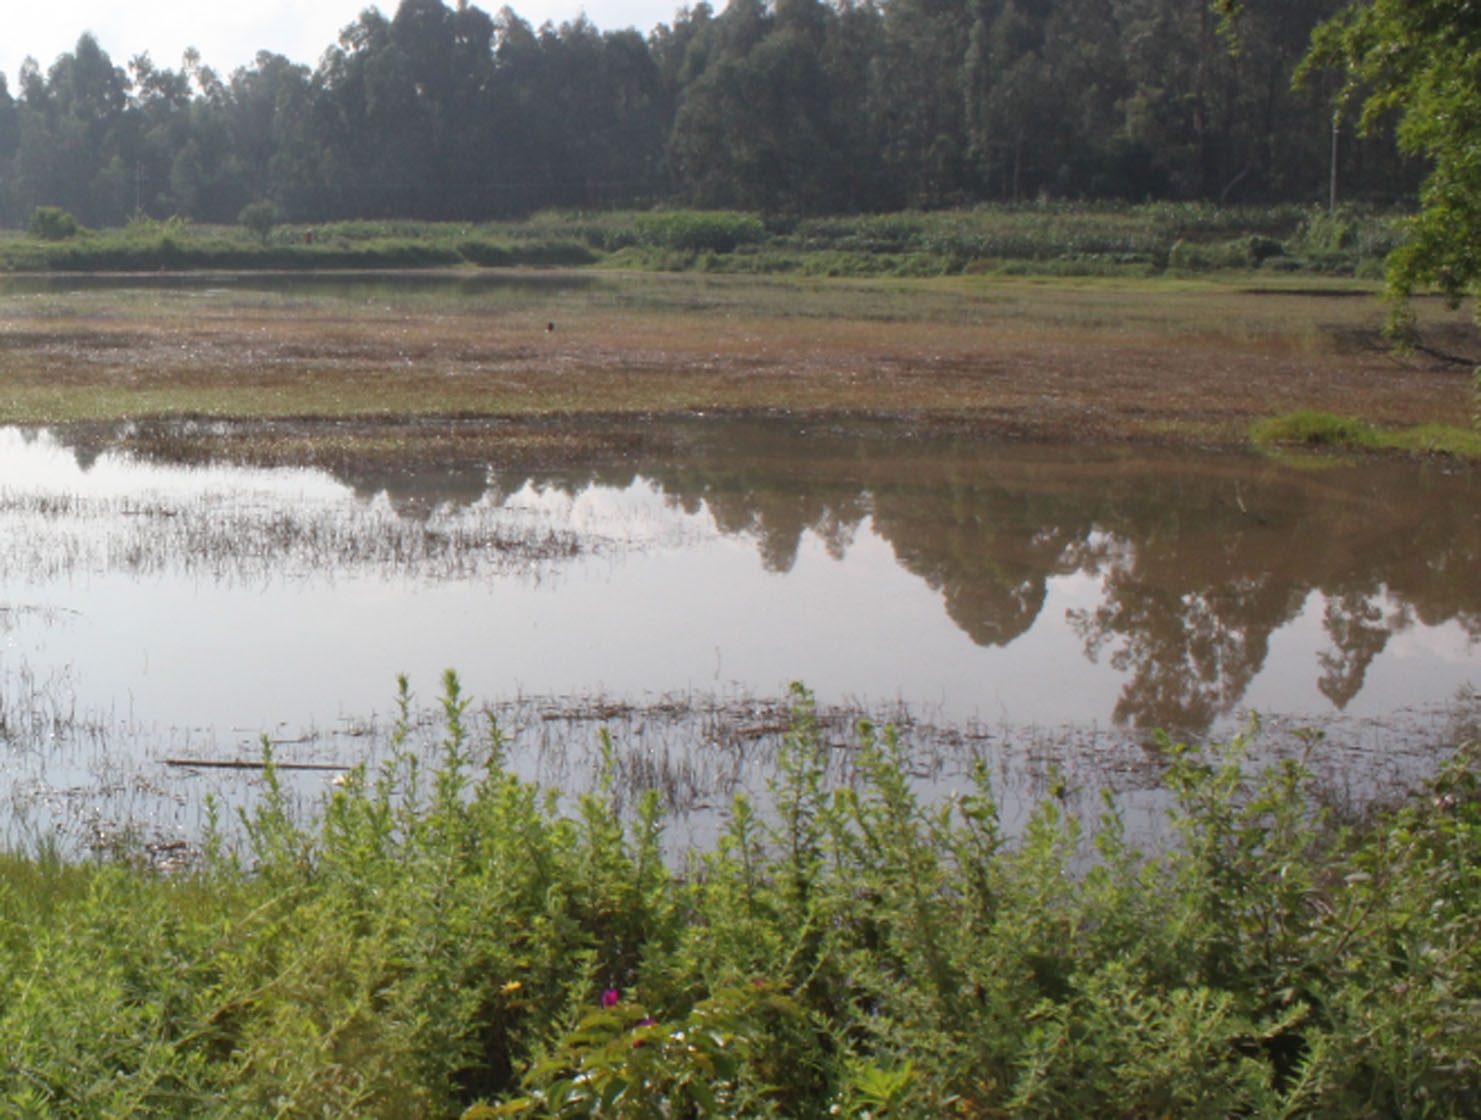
{"type": "Point", "coordinates": [1346, 241]}
{"type": "Point", "coordinates": [1243, 252]}
{"type": "Point", "coordinates": [51, 223]}
{"type": "Point", "coordinates": [258, 218]}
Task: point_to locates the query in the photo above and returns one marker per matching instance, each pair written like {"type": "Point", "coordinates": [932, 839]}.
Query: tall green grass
{"type": "Point", "coordinates": [1052, 238]}
{"type": "Point", "coordinates": [148, 246]}
{"type": "Point", "coordinates": [442, 938]}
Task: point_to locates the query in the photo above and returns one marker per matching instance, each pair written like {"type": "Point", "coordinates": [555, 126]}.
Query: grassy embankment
{"type": "Point", "coordinates": [443, 939]}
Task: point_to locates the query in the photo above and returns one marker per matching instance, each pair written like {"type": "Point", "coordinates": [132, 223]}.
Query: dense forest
{"type": "Point", "coordinates": [800, 107]}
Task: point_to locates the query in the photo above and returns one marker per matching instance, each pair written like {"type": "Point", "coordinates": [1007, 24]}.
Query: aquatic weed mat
{"type": "Point", "coordinates": [90, 782]}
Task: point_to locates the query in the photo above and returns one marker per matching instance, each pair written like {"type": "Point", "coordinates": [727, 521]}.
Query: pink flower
{"type": "Point", "coordinates": [610, 997]}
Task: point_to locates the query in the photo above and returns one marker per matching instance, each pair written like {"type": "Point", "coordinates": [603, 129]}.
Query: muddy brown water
{"type": "Point", "coordinates": [1002, 601]}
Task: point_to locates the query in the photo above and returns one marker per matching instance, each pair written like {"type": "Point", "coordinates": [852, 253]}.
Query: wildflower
{"type": "Point", "coordinates": [610, 997]}
{"type": "Point", "coordinates": [638, 1042]}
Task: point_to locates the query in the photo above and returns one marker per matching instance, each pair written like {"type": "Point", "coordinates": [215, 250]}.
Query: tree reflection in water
{"type": "Point", "coordinates": [1199, 559]}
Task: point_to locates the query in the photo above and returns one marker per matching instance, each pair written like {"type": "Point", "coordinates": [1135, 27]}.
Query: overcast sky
{"type": "Point", "coordinates": [228, 33]}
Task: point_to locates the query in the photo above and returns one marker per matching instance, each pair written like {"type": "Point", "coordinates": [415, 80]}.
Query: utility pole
{"type": "Point", "coordinates": [1332, 183]}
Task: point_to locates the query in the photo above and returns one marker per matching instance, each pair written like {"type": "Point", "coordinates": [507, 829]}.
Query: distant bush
{"type": "Point", "coordinates": [878, 233]}
{"type": "Point", "coordinates": [258, 218]}
{"type": "Point", "coordinates": [51, 223]}
{"type": "Point", "coordinates": [697, 231]}
{"type": "Point", "coordinates": [1345, 241]}
{"type": "Point", "coordinates": [141, 227]}
{"type": "Point", "coordinates": [1250, 251]}
{"type": "Point", "coordinates": [653, 258]}
{"type": "Point", "coordinates": [115, 252]}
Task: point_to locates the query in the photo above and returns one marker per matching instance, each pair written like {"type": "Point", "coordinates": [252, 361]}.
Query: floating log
{"type": "Point", "coordinates": [239, 764]}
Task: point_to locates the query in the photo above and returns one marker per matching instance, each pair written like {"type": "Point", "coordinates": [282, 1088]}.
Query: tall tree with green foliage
{"type": "Point", "coordinates": [795, 107]}
{"type": "Point", "coordinates": [1421, 61]}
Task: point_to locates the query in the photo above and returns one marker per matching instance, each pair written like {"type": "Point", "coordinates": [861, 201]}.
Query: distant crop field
{"type": "Point", "coordinates": [1052, 239]}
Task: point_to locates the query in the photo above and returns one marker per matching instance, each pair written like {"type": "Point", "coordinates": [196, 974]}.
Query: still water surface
{"type": "Point", "coordinates": [150, 611]}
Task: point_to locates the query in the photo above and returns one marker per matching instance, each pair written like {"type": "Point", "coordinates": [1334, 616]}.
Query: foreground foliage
{"type": "Point", "coordinates": [443, 937]}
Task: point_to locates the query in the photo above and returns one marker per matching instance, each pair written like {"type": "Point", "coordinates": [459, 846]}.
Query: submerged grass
{"type": "Point", "coordinates": [1307, 428]}
{"type": "Point", "coordinates": [444, 940]}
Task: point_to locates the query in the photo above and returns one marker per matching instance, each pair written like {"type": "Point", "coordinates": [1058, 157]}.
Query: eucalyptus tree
{"type": "Point", "coordinates": [521, 119]}
{"type": "Point", "coordinates": [10, 136]}
{"type": "Point", "coordinates": [68, 153]}
{"type": "Point", "coordinates": [922, 122]}
{"type": "Point", "coordinates": [790, 110]}
{"type": "Point", "coordinates": [166, 140]}
{"type": "Point", "coordinates": [610, 97]}
{"type": "Point", "coordinates": [755, 129]}
{"type": "Point", "coordinates": [373, 116]}
{"type": "Point", "coordinates": [858, 90]}
{"type": "Point", "coordinates": [267, 111]}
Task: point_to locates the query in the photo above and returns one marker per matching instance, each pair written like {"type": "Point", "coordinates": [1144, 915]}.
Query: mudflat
{"type": "Point", "coordinates": [546, 364]}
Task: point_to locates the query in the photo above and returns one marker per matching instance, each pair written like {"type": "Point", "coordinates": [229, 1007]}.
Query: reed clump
{"type": "Point", "coordinates": [443, 940]}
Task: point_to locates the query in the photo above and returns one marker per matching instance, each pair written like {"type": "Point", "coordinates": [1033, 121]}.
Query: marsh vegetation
{"type": "Point", "coordinates": [1021, 525]}
{"type": "Point", "coordinates": [1018, 604]}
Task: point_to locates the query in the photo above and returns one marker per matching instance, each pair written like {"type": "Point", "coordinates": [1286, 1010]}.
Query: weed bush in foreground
{"type": "Point", "coordinates": [441, 940]}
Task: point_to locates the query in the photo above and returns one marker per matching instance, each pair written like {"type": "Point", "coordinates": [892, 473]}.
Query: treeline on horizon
{"type": "Point", "coordinates": [799, 107]}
